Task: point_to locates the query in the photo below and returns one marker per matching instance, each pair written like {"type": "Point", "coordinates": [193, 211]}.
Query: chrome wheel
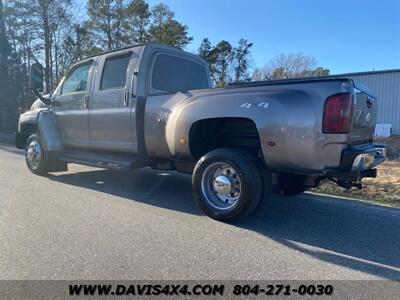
{"type": "Point", "coordinates": [221, 185]}
{"type": "Point", "coordinates": [33, 154]}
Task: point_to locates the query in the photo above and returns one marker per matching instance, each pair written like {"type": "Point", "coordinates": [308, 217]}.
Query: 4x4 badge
{"type": "Point", "coordinates": [261, 104]}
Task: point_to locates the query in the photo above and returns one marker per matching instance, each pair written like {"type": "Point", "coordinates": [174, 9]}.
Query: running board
{"type": "Point", "coordinates": [104, 160]}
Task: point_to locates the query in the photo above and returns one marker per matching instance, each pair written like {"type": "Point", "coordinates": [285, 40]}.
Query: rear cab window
{"type": "Point", "coordinates": [175, 74]}
{"type": "Point", "coordinates": [114, 72]}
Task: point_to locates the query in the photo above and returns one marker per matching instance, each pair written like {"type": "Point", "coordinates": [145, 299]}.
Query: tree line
{"type": "Point", "coordinates": [58, 33]}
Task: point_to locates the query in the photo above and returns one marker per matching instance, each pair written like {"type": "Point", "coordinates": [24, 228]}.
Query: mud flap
{"type": "Point", "coordinates": [51, 140]}
{"type": "Point", "coordinates": [20, 140]}
{"type": "Point", "coordinates": [48, 131]}
{"type": "Point", "coordinates": [55, 165]}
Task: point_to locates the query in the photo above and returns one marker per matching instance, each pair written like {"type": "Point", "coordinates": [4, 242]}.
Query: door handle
{"type": "Point", "coordinates": [126, 98]}
{"type": "Point", "coordinates": [86, 101]}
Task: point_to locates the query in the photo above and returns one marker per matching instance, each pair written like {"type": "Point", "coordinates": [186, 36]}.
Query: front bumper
{"type": "Point", "coordinates": [359, 161]}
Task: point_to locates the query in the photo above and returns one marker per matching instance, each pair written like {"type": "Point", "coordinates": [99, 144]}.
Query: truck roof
{"type": "Point", "coordinates": [132, 46]}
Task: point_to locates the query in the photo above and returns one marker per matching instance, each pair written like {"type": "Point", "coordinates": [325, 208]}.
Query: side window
{"type": "Point", "coordinates": [114, 72]}
{"type": "Point", "coordinates": [77, 80]}
{"type": "Point", "coordinates": [173, 74]}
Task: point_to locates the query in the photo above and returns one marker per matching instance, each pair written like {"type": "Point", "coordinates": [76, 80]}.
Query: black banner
{"type": "Point", "coordinates": [274, 289]}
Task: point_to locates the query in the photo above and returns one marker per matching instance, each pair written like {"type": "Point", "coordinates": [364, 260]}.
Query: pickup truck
{"type": "Point", "coordinates": [152, 105]}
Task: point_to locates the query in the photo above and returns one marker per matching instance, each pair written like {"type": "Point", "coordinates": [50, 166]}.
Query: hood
{"type": "Point", "coordinates": [38, 104]}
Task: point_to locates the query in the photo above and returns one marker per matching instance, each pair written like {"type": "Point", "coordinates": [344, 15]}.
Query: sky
{"type": "Point", "coordinates": [343, 36]}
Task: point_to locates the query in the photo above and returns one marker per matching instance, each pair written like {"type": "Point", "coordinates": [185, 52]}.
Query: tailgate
{"type": "Point", "coordinates": [364, 115]}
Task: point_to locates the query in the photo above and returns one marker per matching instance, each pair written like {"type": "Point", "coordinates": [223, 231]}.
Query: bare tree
{"type": "Point", "coordinates": [57, 33]}
{"type": "Point", "coordinates": [291, 65]}
{"type": "Point", "coordinates": [260, 74]}
{"type": "Point", "coordinates": [46, 17]}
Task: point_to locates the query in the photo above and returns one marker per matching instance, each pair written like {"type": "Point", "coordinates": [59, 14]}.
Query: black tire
{"type": "Point", "coordinates": [42, 164]}
{"type": "Point", "coordinates": [291, 185]}
{"type": "Point", "coordinates": [245, 172]}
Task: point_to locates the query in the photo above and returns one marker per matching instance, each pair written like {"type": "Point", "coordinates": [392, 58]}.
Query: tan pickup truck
{"type": "Point", "coordinates": [153, 106]}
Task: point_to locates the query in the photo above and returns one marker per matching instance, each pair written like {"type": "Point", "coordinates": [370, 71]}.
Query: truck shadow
{"type": "Point", "coordinates": [170, 190]}
{"type": "Point", "coordinates": [358, 236]}
{"type": "Point", "coordinates": [11, 149]}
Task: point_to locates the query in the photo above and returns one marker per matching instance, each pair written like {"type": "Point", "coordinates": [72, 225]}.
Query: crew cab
{"type": "Point", "coordinates": [152, 105]}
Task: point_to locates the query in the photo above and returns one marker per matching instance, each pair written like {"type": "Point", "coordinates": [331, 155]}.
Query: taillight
{"type": "Point", "coordinates": [336, 117]}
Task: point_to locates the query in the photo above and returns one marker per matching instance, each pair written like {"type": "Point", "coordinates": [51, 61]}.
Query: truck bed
{"type": "Point", "coordinates": [286, 81]}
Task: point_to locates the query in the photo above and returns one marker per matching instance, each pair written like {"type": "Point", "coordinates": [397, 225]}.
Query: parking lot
{"type": "Point", "coordinates": [101, 224]}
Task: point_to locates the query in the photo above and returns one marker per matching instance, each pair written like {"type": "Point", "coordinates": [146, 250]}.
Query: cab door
{"type": "Point", "coordinates": [112, 105]}
{"type": "Point", "coordinates": [71, 110]}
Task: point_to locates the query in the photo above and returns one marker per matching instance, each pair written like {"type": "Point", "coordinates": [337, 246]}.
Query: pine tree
{"type": "Point", "coordinates": [164, 29]}
{"type": "Point", "coordinates": [242, 60]}
{"type": "Point", "coordinates": [106, 23]}
{"type": "Point", "coordinates": [138, 21]}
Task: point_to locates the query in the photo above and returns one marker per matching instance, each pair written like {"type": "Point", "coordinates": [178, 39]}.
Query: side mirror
{"type": "Point", "coordinates": [36, 77]}
{"type": "Point", "coordinates": [36, 82]}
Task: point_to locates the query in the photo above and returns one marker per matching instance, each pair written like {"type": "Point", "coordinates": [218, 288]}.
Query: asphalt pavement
{"type": "Point", "coordinates": [91, 223]}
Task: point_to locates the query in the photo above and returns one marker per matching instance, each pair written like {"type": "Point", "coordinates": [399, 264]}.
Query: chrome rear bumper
{"type": "Point", "coordinates": [359, 161]}
{"type": "Point", "coordinates": [365, 161]}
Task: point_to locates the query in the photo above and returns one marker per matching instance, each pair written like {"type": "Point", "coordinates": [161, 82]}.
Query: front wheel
{"type": "Point", "coordinates": [35, 156]}
{"type": "Point", "coordinates": [227, 184]}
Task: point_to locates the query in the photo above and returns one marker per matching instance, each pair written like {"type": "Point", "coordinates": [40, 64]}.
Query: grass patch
{"type": "Point", "coordinates": [383, 189]}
